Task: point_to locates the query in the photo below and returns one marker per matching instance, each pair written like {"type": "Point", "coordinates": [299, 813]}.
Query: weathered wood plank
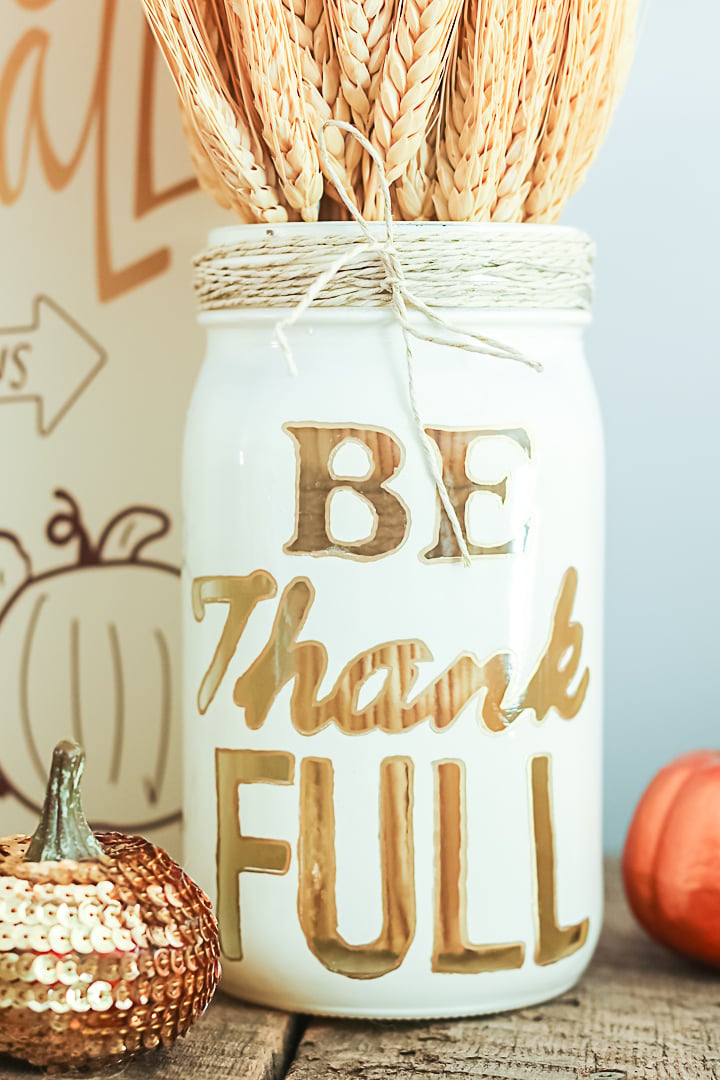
{"type": "Point", "coordinates": [640, 1013]}
{"type": "Point", "coordinates": [231, 1041]}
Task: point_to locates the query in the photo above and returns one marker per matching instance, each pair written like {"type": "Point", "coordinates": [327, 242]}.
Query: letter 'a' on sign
{"type": "Point", "coordinates": [317, 904]}
{"type": "Point", "coordinates": [554, 942]}
{"type": "Point", "coordinates": [452, 950]}
{"type": "Point", "coordinates": [236, 853]}
{"type": "Point", "coordinates": [317, 482]}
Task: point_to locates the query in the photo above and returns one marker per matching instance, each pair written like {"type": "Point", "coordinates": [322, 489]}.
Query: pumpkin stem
{"type": "Point", "coordinates": [63, 832]}
{"type": "Point", "coordinates": [67, 526]}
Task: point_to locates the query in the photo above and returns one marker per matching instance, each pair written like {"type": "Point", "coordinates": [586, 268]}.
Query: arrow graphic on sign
{"type": "Point", "coordinates": [50, 362]}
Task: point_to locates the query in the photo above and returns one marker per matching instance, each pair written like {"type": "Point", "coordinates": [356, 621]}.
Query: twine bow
{"type": "Point", "coordinates": [401, 300]}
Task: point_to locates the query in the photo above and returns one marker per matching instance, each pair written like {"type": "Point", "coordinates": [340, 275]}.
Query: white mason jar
{"type": "Point", "coordinates": [393, 758]}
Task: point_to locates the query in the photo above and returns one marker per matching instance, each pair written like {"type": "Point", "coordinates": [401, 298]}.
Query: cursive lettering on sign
{"type": "Point", "coordinates": [26, 64]}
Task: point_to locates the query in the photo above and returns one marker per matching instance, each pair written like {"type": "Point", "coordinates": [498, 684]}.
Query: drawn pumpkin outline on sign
{"type": "Point", "coordinates": [115, 608]}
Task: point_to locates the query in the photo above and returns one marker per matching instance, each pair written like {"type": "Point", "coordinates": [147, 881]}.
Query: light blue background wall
{"type": "Point", "coordinates": [652, 203]}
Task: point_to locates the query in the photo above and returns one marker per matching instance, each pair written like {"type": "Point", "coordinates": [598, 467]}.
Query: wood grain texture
{"type": "Point", "coordinates": [639, 1014]}
{"type": "Point", "coordinates": [231, 1041]}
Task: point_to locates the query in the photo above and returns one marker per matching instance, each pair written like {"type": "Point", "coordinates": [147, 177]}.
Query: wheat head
{"type": "Point", "coordinates": [274, 66]}
{"type": "Point", "coordinates": [361, 29]}
{"type": "Point", "coordinates": [308, 23]}
{"type": "Point", "coordinates": [480, 110]}
{"type": "Point", "coordinates": [612, 75]}
{"type": "Point", "coordinates": [481, 106]}
{"type": "Point", "coordinates": [546, 38]}
{"type": "Point", "coordinates": [413, 192]}
{"type": "Point", "coordinates": [591, 73]}
{"type": "Point", "coordinates": [208, 178]}
{"type": "Point", "coordinates": [217, 121]}
{"type": "Point", "coordinates": [407, 89]}
{"type": "Point", "coordinates": [361, 32]}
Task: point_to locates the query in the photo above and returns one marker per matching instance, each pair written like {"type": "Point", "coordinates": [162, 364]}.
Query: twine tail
{"type": "Point", "coordinates": [435, 469]}
{"type": "Point", "coordinates": [308, 299]}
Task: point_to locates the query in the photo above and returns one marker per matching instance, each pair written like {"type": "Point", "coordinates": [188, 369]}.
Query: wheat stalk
{"type": "Point", "coordinates": [479, 109]}
{"type": "Point", "coordinates": [345, 161]}
{"type": "Point", "coordinates": [413, 192]}
{"type": "Point", "coordinates": [223, 35]}
{"type": "Point", "coordinates": [593, 126]}
{"type": "Point", "coordinates": [361, 29]}
{"type": "Point", "coordinates": [546, 38]}
{"type": "Point", "coordinates": [309, 27]}
{"type": "Point", "coordinates": [213, 27]}
{"type": "Point", "coordinates": [591, 73]}
{"type": "Point", "coordinates": [207, 175]}
{"type": "Point", "coordinates": [275, 76]}
{"type": "Point", "coordinates": [420, 44]}
{"type": "Point", "coordinates": [209, 179]}
{"type": "Point", "coordinates": [482, 101]}
{"type": "Point", "coordinates": [465, 133]}
{"type": "Point", "coordinates": [217, 122]}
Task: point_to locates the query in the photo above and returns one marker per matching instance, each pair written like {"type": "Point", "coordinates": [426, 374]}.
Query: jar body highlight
{"type": "Point", "coordinates": [393, 760]}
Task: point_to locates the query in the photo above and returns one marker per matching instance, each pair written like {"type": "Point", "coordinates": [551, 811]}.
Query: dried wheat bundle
{"type": "Point", "coordinates": [478, 110]}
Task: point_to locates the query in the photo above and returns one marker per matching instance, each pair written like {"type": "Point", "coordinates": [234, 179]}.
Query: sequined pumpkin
{"type": "Point", "coordinates": [101, 959]}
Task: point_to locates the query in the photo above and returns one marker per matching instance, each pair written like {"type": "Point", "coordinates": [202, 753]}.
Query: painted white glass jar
{"type": "Point", "coordinates": [392, 758]}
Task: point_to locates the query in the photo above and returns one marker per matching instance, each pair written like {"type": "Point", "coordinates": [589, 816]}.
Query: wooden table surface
{"type": "Point", "coordinates": [640, 1013]}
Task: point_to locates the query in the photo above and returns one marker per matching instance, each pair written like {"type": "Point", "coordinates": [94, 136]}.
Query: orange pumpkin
{"type": "Point", "coordinates": [671, 861]}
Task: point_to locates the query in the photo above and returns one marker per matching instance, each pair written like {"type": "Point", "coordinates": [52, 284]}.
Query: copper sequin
{"type": "Point", "coordinates": [100, 960]}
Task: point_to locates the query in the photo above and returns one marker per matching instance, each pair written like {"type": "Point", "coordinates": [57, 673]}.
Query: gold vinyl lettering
{"type": "Point", "coordinates": [317, 905]}
{"type": "Point", "coordinates": [455, 446]}
{"type": "Point", "coordinates": [236, 853]}
{"type": "Point", "coordinates": [452, 950]}
{"type": "Point", "coordinates": [554, 942]}
{"type": "Point", "coordinates": [284, 659]}
{"type": "Point", "coordinates": [316, 446]}
{"type": "Point", "coordinates": [241, 594]}
{"type": "Point", "coordinates": [549, 687]}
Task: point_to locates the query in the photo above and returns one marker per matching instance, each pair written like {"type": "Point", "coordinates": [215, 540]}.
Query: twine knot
{"type": "Point", "coordinates": [402, 300]}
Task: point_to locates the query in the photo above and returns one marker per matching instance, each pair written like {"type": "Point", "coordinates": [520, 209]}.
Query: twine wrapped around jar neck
{"type": "Point", "coordinates": [503, 267]}
{"type": "Point", "coordinates": [519, 268]}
